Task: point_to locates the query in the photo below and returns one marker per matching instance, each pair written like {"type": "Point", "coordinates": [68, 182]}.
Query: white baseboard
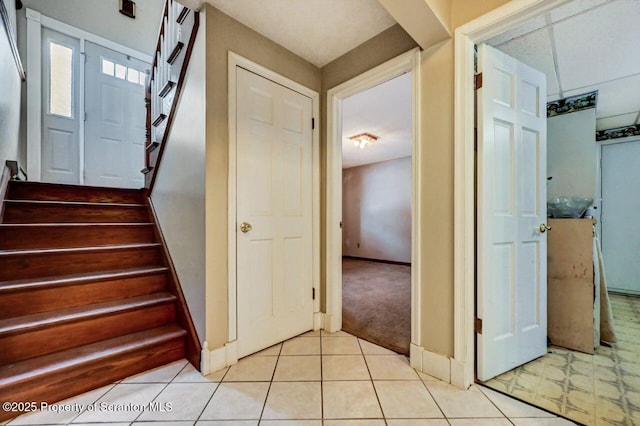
{"type": "Point", "coordinates": [332, 323]}
{"type": "Point", "coordinates": [217, 359]}
{"type": "Point", "coordinates": [439, 366]}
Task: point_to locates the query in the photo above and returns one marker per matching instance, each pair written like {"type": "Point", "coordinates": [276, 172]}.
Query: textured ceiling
{"type": "Point", "coordinates": [583, 46]}
{"type": "Point", "coordinates": [316, 30]}
{"type": "Point", "coordinates": [385, 111]}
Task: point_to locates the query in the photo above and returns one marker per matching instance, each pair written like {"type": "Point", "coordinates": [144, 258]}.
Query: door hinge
{"type": "Point", "coordinates": [313, 293]}
{"type": "Point", "coordinates": [477, 81]}
{"type": "Point", "coordinates": [313, 123]}
{"type": "Point", "coordinates": [478, 325]}
{"type": "Point", "coordinates": [85, 116]}
{"type": "Point", "coordinates": [340, 224]}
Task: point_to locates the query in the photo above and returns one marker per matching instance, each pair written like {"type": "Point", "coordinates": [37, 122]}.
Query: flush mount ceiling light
{"type": "Point", "coordinates": [361, 140]}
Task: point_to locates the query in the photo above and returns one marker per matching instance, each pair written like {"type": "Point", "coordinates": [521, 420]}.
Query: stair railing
{"type": "Point", "coordinates": [164, 81]}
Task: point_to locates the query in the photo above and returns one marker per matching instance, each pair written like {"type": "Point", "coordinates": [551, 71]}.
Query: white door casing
{"type": "Point", "coordinates": [274, 172]}
{"type": "Point", "coordinates": [620, 226]}
{"type": "Point", "coordinates": [511, 253]}
{"type": "Point", "coordinates": [115, 121]}
{"type": "Point", "coordinates": [60, 151]}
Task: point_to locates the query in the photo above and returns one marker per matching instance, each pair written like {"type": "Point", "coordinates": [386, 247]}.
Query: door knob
{"type": "Point", "coordinates": [245, 227]}
{"type": "Point", "coordinates": [544, 228]}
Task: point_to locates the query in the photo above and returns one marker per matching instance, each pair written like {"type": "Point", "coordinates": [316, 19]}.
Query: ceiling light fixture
{"type": "Point", "coordinates": [361, 140]}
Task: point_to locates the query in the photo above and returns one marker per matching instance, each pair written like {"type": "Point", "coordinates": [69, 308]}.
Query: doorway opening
{"type": "Point", "coordinates": [376, 214]}
{"type": "Point", "coordinates": [592, 329]}
{"type": "Point", "coordinates": [405, 66]}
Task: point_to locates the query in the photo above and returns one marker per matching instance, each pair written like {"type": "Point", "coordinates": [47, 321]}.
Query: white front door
{"type": "Point", "coordinates": [274, 212]}
{"type": "Point", "coordinates": [115, 118]}
{"type": "Point", "coordinates": [60, 148]}
{"type": "Point", "coordinates": [620, 225]}
{"type": "Point", "coordinates": [512, 250]}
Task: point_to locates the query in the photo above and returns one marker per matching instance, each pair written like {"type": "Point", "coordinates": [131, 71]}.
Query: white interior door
{"type": "Point", "coordinates": [115, 118]}
{"type": "Point", "coordinates": [512, 252]}
{"type": "Point", "coordinates": [274, 197]}
{"type": "Point", "coordinates": [619, 220]}
{"type": "Point", "coordinates": [60, 147]}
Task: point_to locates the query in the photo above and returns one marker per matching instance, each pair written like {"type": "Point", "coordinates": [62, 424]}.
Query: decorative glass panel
{"type": "Point", "coordinates": [60, 80]}
{"type": "Point", "coordinates": [121, 71]}
{"type": "Point", "coordinates": [108, 67]}
{"type": "Point", "coordinates": [133, 75]}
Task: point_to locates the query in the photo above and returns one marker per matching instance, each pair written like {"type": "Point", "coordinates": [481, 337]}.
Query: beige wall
{"type": "Point", "coordinates": [571, 154]}
{"type": "Point", "coordinates": [437, 164]}
{"type": "Point", "coordinates": [376, 210]}
{"type": "Point", "coordinates": [178, 194]}
{"type": "Point", "coordinates": [379, 49]}
{"type": "Point", "coordinates": [223, 34]}
{"type": "Point", "coordinates": [10, 96]}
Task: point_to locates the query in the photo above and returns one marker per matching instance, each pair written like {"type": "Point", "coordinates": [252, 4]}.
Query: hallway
{"type": "Point", "coordinates": [311, 380]}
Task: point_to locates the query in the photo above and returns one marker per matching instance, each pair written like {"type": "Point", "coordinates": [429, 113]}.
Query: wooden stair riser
{"type": "Point", "coordinates": [17, 237]}
{"type": "Point", "coordinates": [73, 193]}
{"type": "Point", "coordinates": [17, 265]}
{"type": "Point", "coordinates": [54, 297]}
{"type": "Point", "coordinates": [82, 378]}
{"type": "Point", "coordinates": [34, 212]}
{"type": "Point", "coordinates": [59, 337]}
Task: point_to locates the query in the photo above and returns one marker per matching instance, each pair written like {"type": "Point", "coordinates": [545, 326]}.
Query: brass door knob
{"type": "Point", "coordinates": [544, 228]}
{"type": "Point", "coordinates": [245, 227]}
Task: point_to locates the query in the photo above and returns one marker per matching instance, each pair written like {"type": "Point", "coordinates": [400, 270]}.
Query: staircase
{"type": "Point", "coordinates": [87, 293]}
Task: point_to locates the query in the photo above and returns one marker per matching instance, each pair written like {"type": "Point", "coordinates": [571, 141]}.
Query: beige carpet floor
{"type": "Point", "coordinates": [376, 303]}
{"type": "Point", "coordinates": [599, 389]}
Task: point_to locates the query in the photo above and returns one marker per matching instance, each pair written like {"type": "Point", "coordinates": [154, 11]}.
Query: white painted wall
{"type": "Point", "coordinates": [179, 192]}
{"type": "Point", "coordinates": [571, 154]}
{"type": "Point", "coordinates": [10, 88]}
{"type": "Point", "coordinates": [376, 210]}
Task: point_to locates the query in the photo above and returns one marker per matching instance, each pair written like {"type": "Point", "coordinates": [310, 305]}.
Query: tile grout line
{"type": "Point", "coordinates": [166, 385]}
{"type": "Point", "coordinates": [211, 397]}
{"type": "Point", "coordinates": [273, 375]}
{"type": "Point", "coordinates": [444, 416]}
{"type": "Point", "coordinates": [375, 391]}
{"type": "Point", "coordinates": [494, 404]}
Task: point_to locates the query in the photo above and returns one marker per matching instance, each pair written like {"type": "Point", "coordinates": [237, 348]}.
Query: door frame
{"type": "Point", "coordinates": [598, 195]}
{"type": "Point", "coordinates": [35, 22]}
{"type": "Point", "coordinates": [479, 30]}
{"type": "Point", "coordinates": [234, 62]}
{"type": "Point", "coordinates": [406, 62]}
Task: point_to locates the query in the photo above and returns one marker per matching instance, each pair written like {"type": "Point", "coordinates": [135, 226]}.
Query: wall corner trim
{"type": "Point", "coordinates": [318, 320]}
{"type": "Point", "coordinates": [217, 359]}
{"type": "Point", "coordinates": [439, 366]}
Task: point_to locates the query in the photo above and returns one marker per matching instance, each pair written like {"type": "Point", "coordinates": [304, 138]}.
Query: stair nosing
{"type": "Point", "coordinates": [77, 279]}
{"type": "Point", "coordinates": [65, 250]}
{"type": "Point", "coordinates": [77, 186]}
{"type": "Point", "coordinates": [74, 203]}
{"type": "Point", "coordinates": [169, 332]}
{"type": "Point", "coordinates": [40, 321]}
{"type": "Point", "coordinates": [72, 224]}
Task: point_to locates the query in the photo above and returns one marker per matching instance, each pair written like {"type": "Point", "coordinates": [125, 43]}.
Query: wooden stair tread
{"type": "Point", "coordinates": [20, 371]}
{"type": "Point", "coordinates": [72, 224]}
{"type": "Point", "coordinates": [70, 203]}
{"type": "Point", "coordinates": [75, 279]}
{"type": "Point", "coordinates": [25, 190]}
{"type": "Point", "coordinates": [45, 319]}
{"type": "Point", "coordinates": [66, 250]}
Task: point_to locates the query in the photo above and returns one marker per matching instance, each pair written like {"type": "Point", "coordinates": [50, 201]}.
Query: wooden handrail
{"type": "Point", "coordinates": [167, 74]}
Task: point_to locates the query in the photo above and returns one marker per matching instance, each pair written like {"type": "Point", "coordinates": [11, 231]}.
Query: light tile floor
{"type": "Point", "coordinates": [311, 380]}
